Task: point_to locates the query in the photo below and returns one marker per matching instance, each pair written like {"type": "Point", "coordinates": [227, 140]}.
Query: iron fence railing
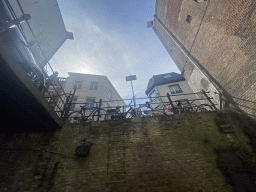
{"type": "Point", "coordinates": [142, 109]}
{"type": "Point", "coordinates": [186, 105]}
{"type": "Point", "coordinates": [239, 105]}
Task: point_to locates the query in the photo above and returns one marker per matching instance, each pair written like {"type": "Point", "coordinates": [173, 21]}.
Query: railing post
{"type": "Point", "coordinates": [63, 113]}
{"type": "Point", "coordinates": [220, 95]}
{"type": "Point", "coordinates": [208, 98]}
{"type": "Point", "coordinates": [169, 98]}
{"type": "Point", "coordinates": [67, 105]}
{"type": "Point", "coordinates": [99, 110]}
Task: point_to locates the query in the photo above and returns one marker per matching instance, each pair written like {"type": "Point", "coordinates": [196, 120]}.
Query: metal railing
{"type": "Point", "coordinates": [52, 89]}
{"type": "Point", "coordinates": [142, 109]}
{"type": "Point", "coordinates": [188, 105]}
{"type": "Point", "coordinates": [238, 104]}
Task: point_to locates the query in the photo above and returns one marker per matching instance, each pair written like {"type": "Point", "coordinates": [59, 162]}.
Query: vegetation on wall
{"type": "Point", "coordinates": [242, 153]}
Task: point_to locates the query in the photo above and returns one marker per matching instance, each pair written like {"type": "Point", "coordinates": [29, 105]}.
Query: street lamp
{"type": "Point", "coordinates": [131, 78]}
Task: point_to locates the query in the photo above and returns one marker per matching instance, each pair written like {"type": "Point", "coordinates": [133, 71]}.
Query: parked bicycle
{"type": "Point", "coordinates": [97, 112]}
{"type": "Point", "coordinates": [145, 109]}
{"type": "Point", "coordinates": [184, 106]}
{"type": "Point", "coordinates": [117, 114]}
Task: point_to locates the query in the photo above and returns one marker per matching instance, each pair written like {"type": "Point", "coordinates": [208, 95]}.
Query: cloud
{"type": "Point", "coordinates": [95, 51]}
{"type": "Point", "coordinates": [115, 48]}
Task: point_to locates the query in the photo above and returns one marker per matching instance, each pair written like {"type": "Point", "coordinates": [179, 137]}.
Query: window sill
{"type": "Point", "coordinates": [177, 92]}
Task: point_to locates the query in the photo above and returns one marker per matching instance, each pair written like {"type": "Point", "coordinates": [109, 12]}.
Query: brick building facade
{"type": "Point", "coordinates": [212, 42]}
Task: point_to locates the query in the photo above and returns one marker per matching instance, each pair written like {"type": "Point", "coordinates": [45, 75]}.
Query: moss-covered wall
{"type": "Point", "coordinates": [171, 153]}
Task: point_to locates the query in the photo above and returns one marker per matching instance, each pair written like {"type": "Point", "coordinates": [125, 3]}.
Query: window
{"type": "Point", "coordinates": [167, 76]}
{"type": "Point", "coordinates": [175, 89]}
{"type": "Point", "coordinates": [78, 84]}
{"type": "Point", "coordinates": [200, 1]}
{"type": "Point", "coordinates": [90, 102]}
{"type": "Point", "coordinates": [94, 86]}
{"type": "Point", "coordinates": [117, 104]}
{"type": "Point", "coordinates": [51, 88]}
{"type": "Point", "coordinates": [72, 107]}
{"type": "Point", "coordinates": [153, 94]}
{"type": "Point", "coordinates": [189, 18]}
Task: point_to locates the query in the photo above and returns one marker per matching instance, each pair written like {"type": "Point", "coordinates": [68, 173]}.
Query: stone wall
{"type": "Point", "coordinates": [162, 153]}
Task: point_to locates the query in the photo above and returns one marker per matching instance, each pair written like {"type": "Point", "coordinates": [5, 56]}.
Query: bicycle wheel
{"type": "Point", "coordinates": [203, 107]}
{"type": "Point", "coordinates": [161, 112]}
{"type": "Point", "coordinates": [133, 113]}
{"type": "Point", "coordinates": [187, 109]}
{"type": "Point", "coordinates": [75, 116]}
{"type": "Point", "coordinates": [139, 113]}
{"type": "Point", "coordinates": [176, 110]}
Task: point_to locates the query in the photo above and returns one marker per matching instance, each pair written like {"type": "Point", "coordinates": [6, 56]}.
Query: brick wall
{"type": "Point", "coordinates": [220, 37]}
{"type": "Point", "coordinates": [172, 153]}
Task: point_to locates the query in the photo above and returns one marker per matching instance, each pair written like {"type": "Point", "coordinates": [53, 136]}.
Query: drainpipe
{"type": "Point", "coordinates": [184, 51]}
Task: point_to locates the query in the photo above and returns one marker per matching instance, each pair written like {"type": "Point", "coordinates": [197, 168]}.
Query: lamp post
{"type": "Point", "coordinates": [131, 78]}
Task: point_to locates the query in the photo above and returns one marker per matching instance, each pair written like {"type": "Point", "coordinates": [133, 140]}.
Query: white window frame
{"type": "Point", "coordinates": [173, 90]}
{"type": "Point", "coordinates": [94, 86]}
{"type": "Point", "coordinates": [73, 106]}
{"type": "Point", "coordinates": [167, 76]}
{"type": "Point", "coordinates": [90, 105]}
{"type": "Point", "coordinates": [77, 84]}
{"type": "Point", "coordinates": [150, 95]}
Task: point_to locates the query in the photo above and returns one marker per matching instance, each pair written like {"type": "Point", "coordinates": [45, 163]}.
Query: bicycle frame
{"type": "Point", "coordinates": [118, 115]}
{"type": "Point", "coordinates": [95, 110]}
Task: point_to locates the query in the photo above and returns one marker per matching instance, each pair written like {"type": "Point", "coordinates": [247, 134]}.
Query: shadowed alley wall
{"type": "Point", "coordinates": [171, 153]}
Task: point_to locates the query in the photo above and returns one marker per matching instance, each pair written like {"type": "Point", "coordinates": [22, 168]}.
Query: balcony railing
{"type": "Point", "coordinates": [51, 86]}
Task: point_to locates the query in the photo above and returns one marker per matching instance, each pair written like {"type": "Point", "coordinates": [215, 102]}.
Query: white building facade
{"type": "Point", "coordinates": [172, 83]}
{"type": "Point", "coordinates": [90, 89]}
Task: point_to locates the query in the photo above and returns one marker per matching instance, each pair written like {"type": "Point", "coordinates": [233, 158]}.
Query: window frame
{"type": "Point", "coordinates": [175, 90]}
{"type": "Point", "coordinates": [151, 96]}
{"type": "Point", "coordinates": [90, 105]}
{"type": "Point", "coordinates": [93, 86]}
{"type": "Point", "coordinates": [167, 76]}
{"type": "Point", "coordinates": [73, 106]}
{"type": "Point", "coordinates": [189, 18]}
{"type": "Point", "coordinates": [78, 84]}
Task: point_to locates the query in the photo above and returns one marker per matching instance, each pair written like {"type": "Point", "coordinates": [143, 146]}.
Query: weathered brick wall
{"type": "Point", "coordinates": [220, 36]}
{"type": "Point", "coordinates": [172, 153]}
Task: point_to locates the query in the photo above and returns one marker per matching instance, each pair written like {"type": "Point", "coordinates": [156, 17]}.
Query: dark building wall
{"type": "Point", "coordinates": [221, 38]}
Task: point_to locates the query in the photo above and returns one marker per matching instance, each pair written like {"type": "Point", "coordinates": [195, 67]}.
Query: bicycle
{"type": "Point", "coordinates": [80, 115]}
{"type": "Point", "coordinates": [184, 106]}
{"type": "Point", "coordinates": [117, 114]}
{"type": "Point", "coordinates": [147, 105]}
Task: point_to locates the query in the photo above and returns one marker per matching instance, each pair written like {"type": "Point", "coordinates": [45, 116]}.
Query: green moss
{"type": "Point", "coordinates": [221, 118]}
{"type": "Point", "coordinates": [247, 158]}
{"type": "Point", "coordinates": [52, 177]}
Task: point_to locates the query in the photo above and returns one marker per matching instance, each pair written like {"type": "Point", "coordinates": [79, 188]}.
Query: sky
{"type": "Point", "coordinates": [111, 38]}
